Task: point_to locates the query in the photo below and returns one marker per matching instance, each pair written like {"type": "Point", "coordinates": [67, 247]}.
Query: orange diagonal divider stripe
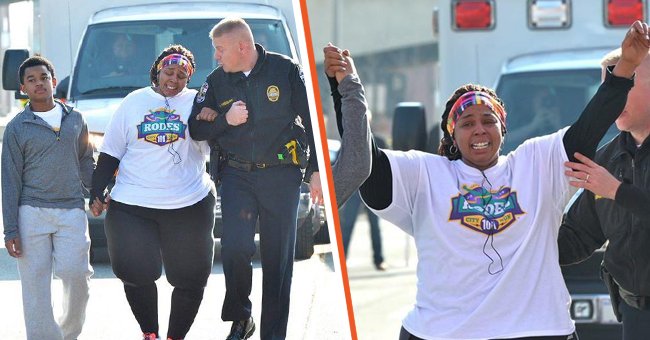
{"type": "Point", "coordinates": [328, 170]}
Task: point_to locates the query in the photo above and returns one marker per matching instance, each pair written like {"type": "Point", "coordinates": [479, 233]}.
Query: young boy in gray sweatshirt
{"type": "Point", "coordinates": [47, 163]}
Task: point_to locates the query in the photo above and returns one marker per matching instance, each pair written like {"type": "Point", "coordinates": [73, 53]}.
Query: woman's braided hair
{"type": "Point", "coordinates": [447, 141]}
{"type": "Point", "coordinates": [172, 49]}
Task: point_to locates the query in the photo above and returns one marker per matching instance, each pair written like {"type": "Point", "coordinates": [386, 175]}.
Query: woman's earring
{"type": "Point", "coordinates": [453, 149]}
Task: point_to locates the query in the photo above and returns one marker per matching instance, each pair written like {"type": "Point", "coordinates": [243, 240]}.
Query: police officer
{"type": "Point", "coordinates": [614, 209]}
{"type": "Point", "coordinates": [261, 108]}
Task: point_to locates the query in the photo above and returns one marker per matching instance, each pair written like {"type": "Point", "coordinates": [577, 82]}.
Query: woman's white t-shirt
{"type": "Point", "coordinates": [487, 245]}
{"type": "Point", "coordinates": [161, 166]}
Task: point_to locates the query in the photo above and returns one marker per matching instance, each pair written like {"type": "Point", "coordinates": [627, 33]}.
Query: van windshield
{"type": "Point", "coordinates": [539, 103]}
{"type": "Point", "coordinates": [115, 58]}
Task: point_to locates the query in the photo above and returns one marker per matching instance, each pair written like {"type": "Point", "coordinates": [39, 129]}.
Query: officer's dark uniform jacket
{"type": "Point", "coordinates": [625, 221]}
{"type": "Point", "coordinates": [274, 93]}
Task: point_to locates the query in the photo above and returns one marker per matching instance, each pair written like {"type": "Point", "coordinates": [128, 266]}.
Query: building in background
{"type": "Point", "coordinates": [394, 66]}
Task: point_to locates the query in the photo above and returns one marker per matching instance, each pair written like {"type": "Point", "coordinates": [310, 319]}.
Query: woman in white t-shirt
{"type": "Point", "coordinates": [161, 207]}
{"type": "Point", "coordinates": [485, 225]}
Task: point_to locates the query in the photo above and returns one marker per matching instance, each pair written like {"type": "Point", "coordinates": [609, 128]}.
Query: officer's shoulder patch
{"type": "Point", "coordinates": [226, 102]}
{"type": "Point", "coordinates": [200, 97]}
{"type": "Point", "coordinates": [301, 73]}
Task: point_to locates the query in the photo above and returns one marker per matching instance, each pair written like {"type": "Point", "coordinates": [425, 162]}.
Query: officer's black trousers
{"type": "Point", "coordinates": [636, 322]}
{"type": "Point", "coordinates": [141, 239]}
{"type": "Point", "coordinates": [271, 194]}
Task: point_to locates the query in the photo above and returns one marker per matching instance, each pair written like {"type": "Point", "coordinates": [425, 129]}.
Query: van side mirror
{"type": "Point", "coordinates": [409, 127]}
{"type": "Point", "coordinates": [11, 63]}
{"type": "Point", "coordinates": [61, 91]}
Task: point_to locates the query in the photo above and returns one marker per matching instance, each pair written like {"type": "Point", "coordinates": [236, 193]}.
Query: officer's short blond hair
{"type": "Point", "coordinates": [611, 58]}
{"type": "Point", "coordinates": [229, 25]}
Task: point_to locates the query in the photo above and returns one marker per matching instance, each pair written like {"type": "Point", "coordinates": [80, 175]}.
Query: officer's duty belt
{"type": "Point", "coordinates": [246, 165]}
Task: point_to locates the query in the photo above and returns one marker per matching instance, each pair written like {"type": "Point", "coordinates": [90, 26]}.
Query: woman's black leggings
{"type": "Point", "coordinates": [141, 240]}
{"type": "Point", "coordinates": [405, 335]}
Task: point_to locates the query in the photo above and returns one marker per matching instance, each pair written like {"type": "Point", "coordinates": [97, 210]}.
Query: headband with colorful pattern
{"type": "Point", "coordinates": [176, 59]}
{"type": "Point", "coordinates": [474, 98]}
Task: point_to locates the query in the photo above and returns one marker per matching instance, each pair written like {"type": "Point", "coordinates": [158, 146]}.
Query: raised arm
{"type": "Point", "coordinates": [377, 189]}
{"type": "Point", "coordinates": [352, 166]}
{"type": "Point", "coordinates": [608, 102]}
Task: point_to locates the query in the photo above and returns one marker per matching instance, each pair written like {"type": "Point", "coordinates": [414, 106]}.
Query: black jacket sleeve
{"type": "Point", "coordinates": [200, 129]}
{"type": "Point", "coordinates": [580, 233]}
{"type": "Point", "coordinates": [300, 106]}
{"type": "Point", "coordinates": [337, 98]}
{"type": "Point", "coordinates": [599, 114]}
{"type": "Point", "coordinates": [377, 190]}
{"type": "Point", "coordinates": [106, 167]}
{"type": "Point", "coordinates": [634, 199]}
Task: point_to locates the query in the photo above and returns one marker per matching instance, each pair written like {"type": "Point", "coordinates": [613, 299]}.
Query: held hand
{"type": "Point", "coordinates": [97, 207]}
{"type": "Point", "coordinates": [634, 49]}
{"type": "Point", "coordinates": [14, 248]}
{"type": "Point", "coordinates": [592, 177]}
{"type": "Point", "coordinates": [237, 114]}
{"type": "Point", "coordinates": [207, 114]}
{"type": "Point", "coordinates": [350, 69]}
{"type": "Point", "coordinates": [316, 189]}
{"type": "Point", "coordinates": [334, 60]}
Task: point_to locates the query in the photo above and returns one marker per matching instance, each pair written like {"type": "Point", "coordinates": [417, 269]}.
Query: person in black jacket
{"type": "Point", "coordinates": [261, 124]}
{"type": "Point", "coordinates": [615, 207]}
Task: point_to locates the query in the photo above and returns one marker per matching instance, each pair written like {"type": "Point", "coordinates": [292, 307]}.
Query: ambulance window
{"type": "Point", "coordinates": [540, 103]}
{"type": "Point", "coordinates": [105, 69]}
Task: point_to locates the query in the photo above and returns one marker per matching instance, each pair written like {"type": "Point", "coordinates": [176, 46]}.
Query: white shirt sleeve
{"type": "Point", "coordinates": [408, 177]}
{"type": "Point", "coordinates": [115, 136]}
{"type": "Point", "coordinates": [547, 153]}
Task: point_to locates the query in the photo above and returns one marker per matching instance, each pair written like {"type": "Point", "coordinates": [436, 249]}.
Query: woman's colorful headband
{"type": "Point", "coordinates": [176, 59]}
{"type": "Point", "coordinates": [474, 98]}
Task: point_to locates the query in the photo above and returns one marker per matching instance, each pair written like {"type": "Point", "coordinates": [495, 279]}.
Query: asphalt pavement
{"type": "Point", "coordinates": [318, 310]}
{"type": "Point", "coordinates": [381, 299]}
{"type": "Point", "coordinates": [317, 303]}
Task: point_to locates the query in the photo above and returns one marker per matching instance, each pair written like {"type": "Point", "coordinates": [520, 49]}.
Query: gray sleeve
{"type": "Point", "coordinates": [86, 160]}
{"type": "Point", "coordinates": [352, 166]}
{"type": "Point", "coordinates": [12, 169]}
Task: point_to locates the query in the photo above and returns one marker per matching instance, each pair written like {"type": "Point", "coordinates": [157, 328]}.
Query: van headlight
{"type": "Point", "coordinates": [582, 310]}
{"type": "Point", "coordinates": [96, 140]}
{"type": "Point", "coordinates": [596, 308]}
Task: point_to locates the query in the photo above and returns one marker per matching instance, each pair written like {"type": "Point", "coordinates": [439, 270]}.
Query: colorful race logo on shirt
{"type": "Point", "coordinates": [485, 211]}
{"type": "Point", "coordinates": [162, 127]}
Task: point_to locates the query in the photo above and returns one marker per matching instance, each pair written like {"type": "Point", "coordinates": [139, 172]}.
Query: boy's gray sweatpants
{"type": "Point", "coordinates": [54, 239]}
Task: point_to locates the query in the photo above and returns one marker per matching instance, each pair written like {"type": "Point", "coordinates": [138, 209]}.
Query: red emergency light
{"type": "Point", "coordinates": [622, 13]}
{"type": "Point", "coordinates": [472, 14]}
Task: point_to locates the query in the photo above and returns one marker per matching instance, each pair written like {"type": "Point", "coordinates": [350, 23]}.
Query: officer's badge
{"type": "Point", "coordinates": [273, 93]}
{"type": "Point", "coordinates": [200, 97]}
